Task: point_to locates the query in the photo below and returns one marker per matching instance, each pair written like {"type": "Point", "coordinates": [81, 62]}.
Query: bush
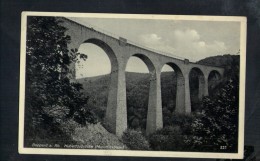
{"type": "Point", "coordinates": [51, 133]}
{"type": "Point", "coordinates": [99, 111]}
{"type": "Point", "coordinates": [178, 119]}
{"type": "Point", "coordinates": [84, 116]}
{"type": "Point", "coordinates": [167, 139]}
{"type": "Point", "coordinates": [135, 140]}
{"type": "Point", "coordinates": [68, 127]}
{"type": "Point", "coordinates": [96, 136]}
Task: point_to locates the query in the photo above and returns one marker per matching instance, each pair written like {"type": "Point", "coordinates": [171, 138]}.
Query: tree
{"type": "Point", "coordinates": [50, 96]}
{"type": "Point", "coordinates": [216, 127]}
{"type": "Point", "coordinates": [134, 140]}
{"type": "Point", "coordinates": [168, 138]}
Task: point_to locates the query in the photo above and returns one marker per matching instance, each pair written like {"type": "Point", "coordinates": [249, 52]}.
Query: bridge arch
{"type": "Point", "coordinates": [146, 60]}
{"type": "Point", "coordinates": [214, 78]}
{"type": "Point", "coordinates": [113, 122]}
{"type": "Point", "coordinates": [197, 81]}
{"type": "Point", "coordinates": [107, 49]}
{"type": "Point", "coordinates": [180, 87]}
{"type": "Point", "coordinates": [138, 96]}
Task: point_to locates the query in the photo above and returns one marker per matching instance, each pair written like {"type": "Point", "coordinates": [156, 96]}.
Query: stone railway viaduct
{"type": "Point", "coordinates": [119, 51]}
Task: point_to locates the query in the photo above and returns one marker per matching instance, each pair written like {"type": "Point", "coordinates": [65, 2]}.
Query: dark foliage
{"type": "Point", "coordinates": [137, 92]}
{"type": "Point", "coordinates": [194, 91]}
{"type": "Point", "coordinates": [84, 115]}
{"type": "Point", "coordinates": [50, 96]}
{"type": "Point", "coordinates": [168, 85]}
{"type": "Point", "coordinates": [167, 139]}
{"type": "Point", "coordinates": [217, 125]}
{"type": "Point", "coordinates": [135, 140]}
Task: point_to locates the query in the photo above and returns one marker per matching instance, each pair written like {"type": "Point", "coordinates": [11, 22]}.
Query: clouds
{"type": "Point", "coordinates": [186, 43]}
{"type": "Point", "coordinates": [150, 38]}
{"type": "Point", "coordinates": [156, 42]}
{"type": "Point", "coordinates": [193, 40]}
{"type": "Point", "coordinates": [189, 43]}
{"type": "Point", "coordinates": [186, 35]}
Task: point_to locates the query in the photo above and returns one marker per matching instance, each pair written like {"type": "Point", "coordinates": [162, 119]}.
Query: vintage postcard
{"type": "Point", "coordinates": [132, 85]}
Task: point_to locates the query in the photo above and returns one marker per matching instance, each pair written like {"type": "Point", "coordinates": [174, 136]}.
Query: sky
{"type": "Point", "coordinates": [194, 40]}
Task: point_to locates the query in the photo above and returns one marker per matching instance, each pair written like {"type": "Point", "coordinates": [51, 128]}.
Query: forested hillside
{"type": "Point", "coordinates": [220, 61]}
{"type": "Point", "coordinates": [137, 90]}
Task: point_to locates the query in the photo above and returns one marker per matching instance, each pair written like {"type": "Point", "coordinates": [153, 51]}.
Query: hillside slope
{"type": "Point", "coordinates": [97, 137]}
{"type": "Point", "coordinates": [220, 60]}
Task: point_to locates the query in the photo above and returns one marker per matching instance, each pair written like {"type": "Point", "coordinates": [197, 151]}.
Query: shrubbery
{"type": "Point", "coordinates": [97, 136]}
{"type": "Point", "coordinates": [177, 119]}
{"type": "Point", "coordinates": [135, 140]}
{"type": "Point", "coordinates": [84, 116]}
{"type": "Point", "coordinates": [168, 138]}
{"type": "Point", "coordinates": [68, 127]}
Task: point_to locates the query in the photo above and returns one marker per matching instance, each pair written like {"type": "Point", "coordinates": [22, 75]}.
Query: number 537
{"type": "Point", "coordinates": [223, 147]}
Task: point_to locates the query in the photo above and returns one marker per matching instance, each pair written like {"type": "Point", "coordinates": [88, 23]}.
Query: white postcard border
{"type": "Point", "coordinates": [239, 155]}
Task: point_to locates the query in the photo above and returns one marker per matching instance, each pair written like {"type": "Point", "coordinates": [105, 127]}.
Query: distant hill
{"type": "Point", "coordinates": [220, 60]}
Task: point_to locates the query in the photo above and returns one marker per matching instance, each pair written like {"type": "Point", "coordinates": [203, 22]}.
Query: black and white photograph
{"type": "Point", "coordinates": [132, 85]}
